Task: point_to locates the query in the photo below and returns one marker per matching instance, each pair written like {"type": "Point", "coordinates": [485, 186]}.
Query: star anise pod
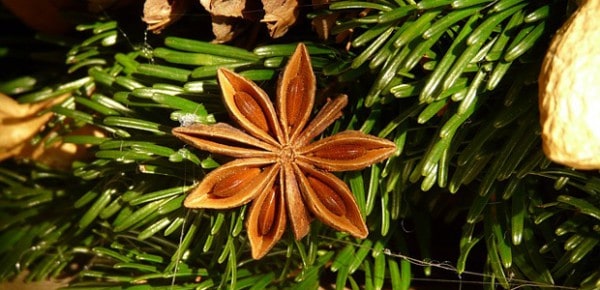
{"type": "Point", "coordinates": [277, 168]}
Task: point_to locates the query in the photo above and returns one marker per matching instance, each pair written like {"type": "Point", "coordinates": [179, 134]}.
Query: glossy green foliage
{"type": "Point", "coordinates": [463, 77]}
{"type": "Point", "coordinates": [452, 83]}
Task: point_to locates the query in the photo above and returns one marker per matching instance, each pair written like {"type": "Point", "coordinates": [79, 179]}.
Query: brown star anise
{"type": "Point", "coordinates": [277, 166]}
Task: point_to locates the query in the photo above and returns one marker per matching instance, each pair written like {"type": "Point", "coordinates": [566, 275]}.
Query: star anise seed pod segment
{"type": "Point", "coordinates": [277, 168]}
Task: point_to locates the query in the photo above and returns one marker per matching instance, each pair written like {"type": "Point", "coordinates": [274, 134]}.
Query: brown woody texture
{"type": "Point", "coordinates": [278, 168]}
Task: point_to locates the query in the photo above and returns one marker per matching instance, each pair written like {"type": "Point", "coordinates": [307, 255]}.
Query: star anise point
{"type": "Point", "coordinates": [277, 169]}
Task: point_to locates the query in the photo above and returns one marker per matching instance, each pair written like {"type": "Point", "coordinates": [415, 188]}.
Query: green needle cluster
{"type": "Point", "coordinates": [451, 82]}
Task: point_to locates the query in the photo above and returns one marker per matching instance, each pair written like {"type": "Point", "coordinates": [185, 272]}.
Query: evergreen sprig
{"type": "Point", "coordinates": [465, 74]}
{"type": "Point", "coordinates": [453, 83]}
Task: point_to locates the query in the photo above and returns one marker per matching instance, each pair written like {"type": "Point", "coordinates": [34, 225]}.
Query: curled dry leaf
{"type": "Point", "coordinates": [228, 16]}
{"type": "Point", "coordinates": [224, 28]}
{"type": "Point", "coordinates": [19, 123]}
{"type": "Point", "coordinates": [286, 178]}
{"type": "Point", "coordinates": [158, 14]}
{"type": "Point", "coordinates": [279, 16]}
{"type": "Point", "coordinates": [225, 8]}
{"type": "Point", "coordinates": [54, 153]}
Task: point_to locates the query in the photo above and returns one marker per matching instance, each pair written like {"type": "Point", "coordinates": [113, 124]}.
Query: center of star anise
{"type": "Point", "coordinates": [287, 154]}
